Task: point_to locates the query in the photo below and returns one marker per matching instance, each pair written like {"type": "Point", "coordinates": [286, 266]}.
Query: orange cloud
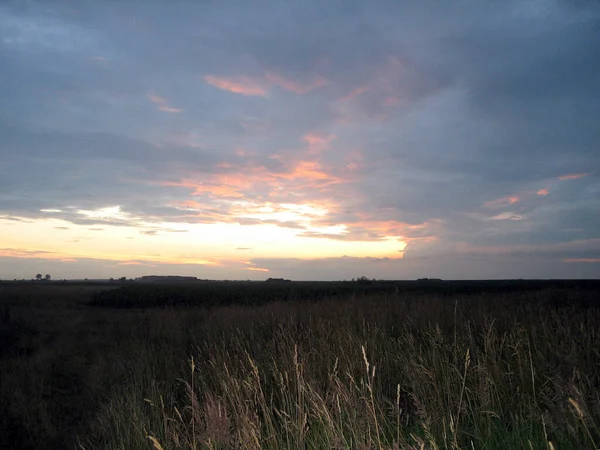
{"type": "Point", "coordinates": [221, 189]}
{"type": "Point", "coordinates": [238, 85]}
{"type": "Point", "coordinates": [39, 254]}
{"type": "Point", "coordinates": [583, 260]}
{"type": "Point", "coordinates": [259, 86]}
{"type": "Point", "coordinates": [573, 176]}
{"type": "Point", "coordinates": [162, 104]}
{"type": "Point", "coordinates": [363, 227]}
{"type": "Point", "coordinates": [257, 269]}
{"type": "Point", "coordinates": [189, 204]}
{"type": "Point", "coordinates": [290, 85]}
{"type": "Point", "coordinates": [511, 200]}
{"type": "Point", "coordinates": [402, 230]}
{"type": "Point", "coordinates": [543, 192]}
{"type": "Point", "coordinates": [355, 160]}
{"type": "Point", "coordinates": [309, 170]}
{"type": "Point", "coordinates": [65, 257]}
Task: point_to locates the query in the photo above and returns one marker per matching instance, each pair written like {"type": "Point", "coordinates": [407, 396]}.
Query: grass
{"type": "Point", "coordinates": [389, 370]}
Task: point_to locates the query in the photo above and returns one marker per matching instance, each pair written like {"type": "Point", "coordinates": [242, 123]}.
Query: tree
{"type": "Point", "coordinates": [364, 280]}
{"type": "Point", "coordinates": [38, 276]}
{"type": "Point", "coordinates": [47, 277]}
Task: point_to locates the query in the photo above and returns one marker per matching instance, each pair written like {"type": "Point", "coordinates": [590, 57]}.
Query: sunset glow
{"type": "Point", "coordinates": [299, 141]}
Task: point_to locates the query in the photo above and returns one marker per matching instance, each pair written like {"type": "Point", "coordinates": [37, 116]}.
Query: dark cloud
{"type": "Point", "coordinates": [439, 122]}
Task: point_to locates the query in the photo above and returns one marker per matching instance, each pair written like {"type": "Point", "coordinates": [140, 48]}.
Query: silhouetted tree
{"type": "Point", "coordinates": [38, 276]}
{"type": "Point", "coordinates": [47, 277]}
{"type": "Point", "coordinates": [364, 280]}
{"type": "Point", "coordinates": [278, 280]}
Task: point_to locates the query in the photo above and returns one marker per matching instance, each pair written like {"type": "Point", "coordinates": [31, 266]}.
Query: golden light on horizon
{"type": "Point", "coordinates": [118, 236]}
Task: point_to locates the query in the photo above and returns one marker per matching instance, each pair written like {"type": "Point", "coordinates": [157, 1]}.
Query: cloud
{"type": "Point", "coordinates": [30, 254]}
{"type": "Point", "coordinates": [448, 142]}
{"type": "Point", "coordinates": [573, 176]}
{"type": "Point", "coordinates": [507, 216]}
{"type": "Point", "coordinates": [162, 104]}
{"type": "Point", "coordinates": [238, 85]}
{"type": "Point", "coordinates": [318, 141]}
{"type": "Point", "coordinates": [259, 86]}
{"type": "Point", "coordinates": [502, 202]}
{"type": "Point", "coordinates": [294, 86]}
{"type": "Point", "coordinates": [355, 92]}
{"type": "Point", "coordinates": [583, 260]}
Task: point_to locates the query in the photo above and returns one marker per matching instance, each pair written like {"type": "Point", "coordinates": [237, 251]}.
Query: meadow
{"type": "Point", "coordinates": [347, 365]}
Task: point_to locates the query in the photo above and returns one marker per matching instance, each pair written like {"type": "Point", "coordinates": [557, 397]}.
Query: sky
{"type": "Point", "coordinates": [310, 140]}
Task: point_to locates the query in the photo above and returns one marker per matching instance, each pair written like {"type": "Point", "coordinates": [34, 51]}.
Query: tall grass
{"type": "Point", "coordinates": [388, 370]}
{"type": "Point", "coordinates": [381, 371]}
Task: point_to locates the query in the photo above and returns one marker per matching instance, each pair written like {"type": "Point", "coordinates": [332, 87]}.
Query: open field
{"type": "Point", "coordinates": [473, 365]}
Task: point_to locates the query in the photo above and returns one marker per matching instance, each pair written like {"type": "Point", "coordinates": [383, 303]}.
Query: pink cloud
{"type": "Point", "coordinates": [510, 200]}
{"type": "Point", "coordinates": [318, 141]}
{"type": "Point", "coordinates": [259, 86]}
{"type": "Point", "coordinates": [218, 187]}
{"type": "Point", "coordinates": [391, 101]}
{"type": "Point", "coordinates": [162, 104]}
{"type": "Point", "coordinates": [239, 85]}
{"type": "Point", "coordinates": [583, 260]}
{"type": "Point", "coordinates": [303, 174]}
{"type": "Point", "coordinates": [544, 191]}
{"type": "Point", "coordinates": [573, 176]}
{"type": "Point", "coordinates": [359, 90]}
{"type": "Point", "coordinates": [156, 99]}
{"type": "Point", "coordinates": [169, 109]}
{"type": "Point", "coordinates": [294, 86]}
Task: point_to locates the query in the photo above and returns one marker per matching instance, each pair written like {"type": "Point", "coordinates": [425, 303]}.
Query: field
{"type": "Point", "coordinates": [349, 365]}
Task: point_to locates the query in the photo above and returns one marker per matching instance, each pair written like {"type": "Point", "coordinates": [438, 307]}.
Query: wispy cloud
{"type": "Point", "coordinates": [507, 216]}
{"type": "Point", "coordinates": [259, 86]}
{"type": "Point", "coordinates": [511, 200]}
{"type": "Point", "coordinates": [355, 92]}
{"type": "Point", "coordinates": [573, 176]}
{"type": "Point", "coordinates": [257, 269]}
{"type": "Point", "coordinates": [583, 260]}
{"type": "Point", "coordinates": [27, 253]}
{"type": "Point", "coordinates": [239, 85]}
{"type": "Point", "coordinates": [336, 143]}
{"type": "Point", "coordinates": [295, 86]}
{"type": "Point", "coordinates": [162, 104]}
{"type": "Point", "coordinates": [318, 141]}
